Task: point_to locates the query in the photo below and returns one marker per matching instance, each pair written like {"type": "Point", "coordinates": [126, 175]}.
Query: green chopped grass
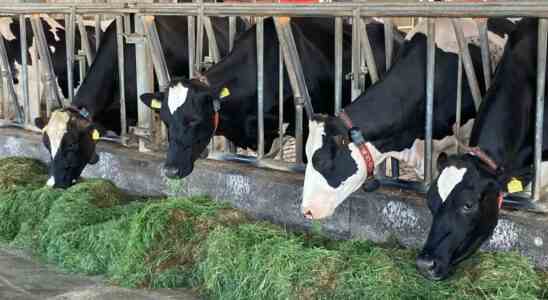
{"type": "Point", "coordinates": [94, 228]}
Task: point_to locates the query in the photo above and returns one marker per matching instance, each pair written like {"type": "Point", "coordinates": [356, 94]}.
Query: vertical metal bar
{"type": "Point", "coordinates": [35, 106]}
{"type": "Point", "coordinates": [145, 81]}
{"type": "Point", "coordinates": [121, 75]}
{"type": "Point", "coordinates": [338, 63]}
{"type": "Point", "coordinates": [485, 58]}
{"type": "Point", "coordinates": [69, 40]}
{"type": "Point", "coordinates": [281, 99]}
{"type": "Point", "coordinates": [430, 69]}
{"type": "Point", "coordinates": [368, 54]}
{"type": "Point", "coordinates": [260, 86]}
{"type": "Point", "coordinates": [82, 65]}
{"type": "Point", "coordinates": [356, 55]}
{"type": "Point", "coordinates": [85, 41]}
{"type": "Point", "coordinates": [468, 65]}
{"type": "Point", "coordinates": [158, 58]}
{"type": "Point", "coordinates": [97, 32]}
{"type": "Point", "coordinates": [199, 39]}
{"type": "Point", "coordinates": [541, 88]}
{"type": "Point", "coordinates": [231, 32]}
{"type": "Point", "coordinates": [212, 40]}
{"type": "Point", "coordinates": [388, 41]}
{"type": "Point", "coordinates": [8, 83]}
{"type": "Point", "coordinates": [191, 45]}
{"type": "Point", "coordinates": [459, 102]}
{"type": "Point", "coordinates": [45, 57]}
{"type": "Point", "coordinates": [24, 68]}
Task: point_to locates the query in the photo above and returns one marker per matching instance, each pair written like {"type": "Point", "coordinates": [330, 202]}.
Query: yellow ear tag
{"type": "Point", "coordinates": [515, 186]}
{"type": "Point", "coordinates": [224, 93]}
{"type": "Point", "coordinates": [156, 104]}
{"type": "Point", "coordinates": [95, 135]}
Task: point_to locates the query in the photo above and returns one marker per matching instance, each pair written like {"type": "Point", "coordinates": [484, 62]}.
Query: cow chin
{"type": "Point", "coordinates": [321, 206]}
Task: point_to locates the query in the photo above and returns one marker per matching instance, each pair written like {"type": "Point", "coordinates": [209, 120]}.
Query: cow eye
{"type": "Point", "coordinates": [468, 206]}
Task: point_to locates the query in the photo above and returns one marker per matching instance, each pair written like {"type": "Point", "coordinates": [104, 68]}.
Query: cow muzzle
{"type": "Point", "coordinates": [430, 267]}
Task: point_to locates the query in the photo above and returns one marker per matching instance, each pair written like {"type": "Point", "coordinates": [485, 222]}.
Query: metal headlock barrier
{"type": "Point", "coordinates": [149, 56]}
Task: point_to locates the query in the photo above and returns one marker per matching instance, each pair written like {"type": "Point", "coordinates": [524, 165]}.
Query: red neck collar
{"type": "Point", "coordinates": [364, 150]}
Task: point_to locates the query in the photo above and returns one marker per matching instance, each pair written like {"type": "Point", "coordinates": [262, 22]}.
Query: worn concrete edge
{"type": "Point", "coordinates": [386, 215]}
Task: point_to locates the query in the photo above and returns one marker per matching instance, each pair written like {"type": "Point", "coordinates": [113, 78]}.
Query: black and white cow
{"type": "Point", "coordinates": [55, 38]}
{"type": "Point", "coordinates": [188, 108]}
{"type": "Point", "coordinates": [465, 199]}
{"type": "Point", "coordinates": [391, 118]}
{"type": "Point", "coordinates": [71, 133]}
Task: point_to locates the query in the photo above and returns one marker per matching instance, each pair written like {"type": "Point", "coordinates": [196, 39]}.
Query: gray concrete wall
{"type": "Point", "coordinates": [387, 215]}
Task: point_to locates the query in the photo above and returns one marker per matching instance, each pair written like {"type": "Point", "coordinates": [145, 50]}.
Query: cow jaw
{"type": "Point", "coordinates": [319, 198]}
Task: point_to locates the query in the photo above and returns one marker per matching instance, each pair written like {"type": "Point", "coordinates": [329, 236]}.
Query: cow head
{"type": "Point", "coordinates": [70, 140]}
{"type": "Point", "coordinates": [335, 167]}
{"type": "Point", "coordinates": [464, 201]}
{"type": "Point", "coordinates": [187, 109]}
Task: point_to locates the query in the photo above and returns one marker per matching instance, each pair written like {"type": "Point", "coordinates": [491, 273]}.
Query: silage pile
{"type": "Point", "coordinates": [94, 228]}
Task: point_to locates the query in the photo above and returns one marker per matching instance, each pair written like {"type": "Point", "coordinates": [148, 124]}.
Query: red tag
{"type": "Point", "coordinates": [499, 199]}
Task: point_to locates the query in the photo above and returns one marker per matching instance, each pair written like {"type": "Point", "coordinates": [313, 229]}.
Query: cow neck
{"type": "Point", "coordinates": [99, 88]}
{"type": "Point", "coordinates": [356, 136]}
{"type": "Point", "coordinates": [504, 129]}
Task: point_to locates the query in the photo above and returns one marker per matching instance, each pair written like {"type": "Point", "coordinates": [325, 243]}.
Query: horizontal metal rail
{"type": "Point", "coordinates": [422, 9]}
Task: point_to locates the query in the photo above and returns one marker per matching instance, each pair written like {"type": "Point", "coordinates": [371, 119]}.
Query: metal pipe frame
{"type": "Point", "coordinates": [356, 56]}
{"type": "Point", "coordinates": [430, 76]}
{"type": "Point", "coordinates": [422, 9]}
{"type": "Point", "coordinates": [368, 53]}
{"type": "Point", "coordinates": [85, 41]}
{"type": "Point", "coordinates": [458, 109]}
{"type": "Point", "coordinates": [388, 42]}
{"type": "Point", "coordinates": [485, 57]}
{"type": "Point", "coordinates": [121, 76]}
{"type": "Point", "coordinates": [191, 45]}
{"type": "Point", "coordinates": [212, 40]}
{"type": "Point", "coordinates": [24, 69]}
{"type": "Point", "coordinates": [199, 41]}
{"type": "Point", "coordinates": [69, 40]}
{"type": "Point", "coordinates": [541, 89]}
{"type": "Point", "coordinates": [98, 32]}
{"type": "Point", "coordinates": [468, 64]}
{"type": "Point", "coordinates": [157, 53]}
{"type": "Point", "coordinates": [260, 86]}
{"type": "Point", "coordinates": [52, 95]}
{"type": "Point", "coordinates": [281, 99]}
{"type": "Point", "coordinates": [338, 64]}
{"type": "Point", "coordinates": [8, 83]}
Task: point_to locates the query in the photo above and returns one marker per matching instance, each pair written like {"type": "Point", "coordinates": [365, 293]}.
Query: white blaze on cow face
{"type": "Point", "coordinates": [449, 178]}
{"type": "Point", "coordinates": [56, 130]}
{"type": "Point", "coordinates": [319, 198]}
{"type": "Point", "coordinates": [177, 97]}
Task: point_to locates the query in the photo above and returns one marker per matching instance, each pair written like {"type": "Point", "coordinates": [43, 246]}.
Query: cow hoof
{"type": "Point", "coordinates": [371, 185]}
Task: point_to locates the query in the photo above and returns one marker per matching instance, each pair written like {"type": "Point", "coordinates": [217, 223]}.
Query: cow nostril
{"type": "Point", "coordinates": [171, 172]}
{"type": "Point", "coordinates": [425, 263]}
{"type": "Point", "coordinates": [308, 214]}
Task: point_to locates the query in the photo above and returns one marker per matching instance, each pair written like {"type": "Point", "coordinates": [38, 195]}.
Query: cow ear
{"type": "Point", "coordinates": [40, 122]}
{"type": "Point", "coordinates": [442, 161]}
{"type": "Point", "coordinates": [154, 101]}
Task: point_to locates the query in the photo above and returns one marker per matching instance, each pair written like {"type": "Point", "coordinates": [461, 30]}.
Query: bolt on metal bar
{"type": "Point", "coordinates": [158, 57]}
{"type": "Point", "coordinates": [191, 45]}
{"type": "Point", "coordinates": [85, 41]}
{"type": "Point", "coordinates": [368, 53]}
{"type": "Point", "coordinates": [52, 95]}
{"type": "Point", "coordinates": [468, 65]}
{"type": "Point", "coordinates": [541, 89]}
{"type": "Point", "coordinates": [260, 86]}
{"type": "Point", "coordinates": [356, 55]}
{"type": "Point", "coordinates": [121, 76]}
{"type": "Point", "coordinates": [485, 58]}
{"type": "Point", "coordinates": [24, 69]}
{"type": "Point", "coordinates": [69, 40]}
{"type": "Point", "coordinates": [430, 76]}
{"type": "Point", "coordinates": [388, 42]}
{"type": "Point", "coordinates": [8, 83]}
{"type": "Point", "coordinates": [459, 103]}
{"type": "Point", "coordinates": [338, 64]}
{"type": "Point", "coordinates": [212, 40]}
